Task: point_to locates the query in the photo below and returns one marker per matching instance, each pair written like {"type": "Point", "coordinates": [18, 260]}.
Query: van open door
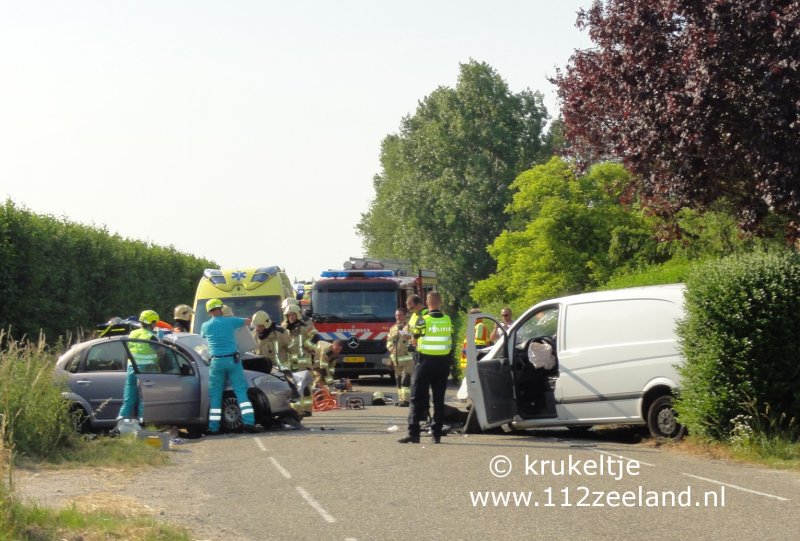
{"type": "Point", "coordinates": [490, 380]}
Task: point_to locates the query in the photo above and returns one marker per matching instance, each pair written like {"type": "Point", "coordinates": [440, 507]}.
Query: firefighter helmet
{"type": "Point", "coordinates": [292, 309]}
{"type": "Point", "coordinates": [288, 301]}
{"type": "Point", "coordinates": [184, 312]}
{"type": "Point", "coordinates": [261, 318]}
{"type": "Point", "coordinates": [149, 317]}
{"type": "Point", "coordinates": [213, 304]}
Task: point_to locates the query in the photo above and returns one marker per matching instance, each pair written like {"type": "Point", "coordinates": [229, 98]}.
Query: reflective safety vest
{"type": "Point", "coordinates": [438, 337]}
{"type": "Point", "coordinates": [143, 353]}
{"type": "Point", "coordinates": [481, 334]}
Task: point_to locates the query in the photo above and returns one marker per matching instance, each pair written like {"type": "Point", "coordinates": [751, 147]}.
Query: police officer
{"type": "Point", "coordinates": [145, 357]}
{"type": "Point", "coordinates": [433, 335]}
{"type": "Point", "coordinates": [298, 352]}
{"type": "Point", "coordinates": [183, 318]}
{"type": "Point", "coordinates": [397, 344]}
{"type": "Point", "coordinates": [220, 332]}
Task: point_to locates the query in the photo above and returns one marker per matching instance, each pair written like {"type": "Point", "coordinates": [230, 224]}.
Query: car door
{"type": "Point", "coordinates": [100, 379]}
{"type": "Point", "coordinates": [170, 388]}
{"type": "Point", "coordinates": [490, 380]}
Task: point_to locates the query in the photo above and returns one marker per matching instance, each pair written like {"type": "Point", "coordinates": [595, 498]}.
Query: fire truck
{"type": "Point", "coordinates": [357, 305]}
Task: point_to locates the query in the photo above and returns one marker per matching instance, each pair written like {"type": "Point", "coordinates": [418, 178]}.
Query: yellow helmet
{"type": "Point", "coordinates": [288, 301]}
{"type": "Point", "coordinates": [292, 309]}
{"type": "Point", "coordinates": [262, 318]}
{"type": "Point", "coordinates": [149, 317]}
{"type": "Point", "coordinates": [213, 304]}
{"type": "Point", "coordinates": [183, 311]}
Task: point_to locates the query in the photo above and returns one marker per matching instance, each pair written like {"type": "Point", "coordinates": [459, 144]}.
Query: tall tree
{"type": "Point", "coordinates": [699, 98]}
{"type": "Point", "coordinates": [569, 233]}
{"type": "Point", "coordinates": [440, 196]}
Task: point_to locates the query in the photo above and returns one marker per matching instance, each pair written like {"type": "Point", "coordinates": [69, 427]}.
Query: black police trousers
{"type": "Point", "coordinates": [430, 371]}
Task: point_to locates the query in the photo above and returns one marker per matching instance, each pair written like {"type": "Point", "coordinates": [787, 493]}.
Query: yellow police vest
{"type": "Point", "coordinates": [438, 337]}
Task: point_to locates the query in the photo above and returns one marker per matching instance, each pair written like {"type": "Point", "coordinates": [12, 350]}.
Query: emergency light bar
{"type": "Point", "coordinates": [357, 274]}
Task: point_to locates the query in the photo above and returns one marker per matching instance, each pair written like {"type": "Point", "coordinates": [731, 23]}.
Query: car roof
{"type": "Point", "coordinates": [670, 292]}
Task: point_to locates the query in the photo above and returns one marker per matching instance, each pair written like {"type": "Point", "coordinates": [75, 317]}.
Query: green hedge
{"type": "Point", "coordinates": [741, 342]}
{"type": "Point", "coordinates": [57, 276]}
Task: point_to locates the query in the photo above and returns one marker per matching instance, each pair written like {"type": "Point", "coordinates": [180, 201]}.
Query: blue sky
{"type": "Point", "coordinates": [247, 132]}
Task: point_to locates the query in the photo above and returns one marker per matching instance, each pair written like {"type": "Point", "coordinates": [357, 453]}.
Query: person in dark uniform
{"type": "Point", "coordinates": [433, 338]}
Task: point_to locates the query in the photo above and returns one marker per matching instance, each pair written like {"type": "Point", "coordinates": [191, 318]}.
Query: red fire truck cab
{"type": "Point", "coordinates": [358, 306]}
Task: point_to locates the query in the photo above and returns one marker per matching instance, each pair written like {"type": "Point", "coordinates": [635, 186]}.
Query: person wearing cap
{"type": "Point", "coordinates": [220, 333]}
{"type": "Point", "coordinates": [433, 337]}
{"type": "Point", "coordinates": [397, 344]}
{"type": "Point", "coordinates": [145, 357]}
{"type": "Point", "coordinates": [183, 318]}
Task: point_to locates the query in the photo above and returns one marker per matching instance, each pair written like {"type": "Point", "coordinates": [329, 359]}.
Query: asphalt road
{"type": "Point", "coordinates": [344, 477]}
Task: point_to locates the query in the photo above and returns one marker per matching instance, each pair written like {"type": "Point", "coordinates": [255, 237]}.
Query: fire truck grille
{"type": "Point", "coordinates": [367, 346]}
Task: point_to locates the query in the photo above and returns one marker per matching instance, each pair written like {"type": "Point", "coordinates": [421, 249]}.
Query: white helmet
{"type": "Point", "coordinates": [184, 312]}
{"type": "Point", "coordinates": [292, 309]}
{"type": "Point", "coordinates": [287, 302]}
{"type": "Point", "coordinates": [227, 311]}
{"type": "Point", "coordinates": [261, 318]}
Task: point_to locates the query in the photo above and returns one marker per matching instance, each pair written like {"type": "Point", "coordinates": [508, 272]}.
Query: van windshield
{"type": "Point", "coordinates": [543, 322]}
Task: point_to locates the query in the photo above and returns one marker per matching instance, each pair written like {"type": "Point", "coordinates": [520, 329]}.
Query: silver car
{"type": "Point", "coordinates": [175, 394]}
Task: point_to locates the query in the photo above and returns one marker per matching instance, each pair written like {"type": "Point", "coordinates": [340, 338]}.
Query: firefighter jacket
{"type": "Point", "coordinates": [270, 344]}
{"type": "Point", "coordinates": [397, 343]}
{"type": "Point", "coordinates": [435, 331]}
{"type": "Point", "coordinates": [299, 347]}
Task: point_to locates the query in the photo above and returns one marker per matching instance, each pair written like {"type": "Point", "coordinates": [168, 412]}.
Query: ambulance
{"type": "Point", "coordinates": [244, 290]}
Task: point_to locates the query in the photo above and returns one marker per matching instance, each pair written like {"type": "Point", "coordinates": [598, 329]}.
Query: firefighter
{"type": "Point", "coordinates": [183, 318]}
{"type": "Point", "coordinates": [326, 355]}
{"type": "Point", "coordinates": [145, 357]}
{"type": "Point", "coordinates": [220, 332]}
{"type": "Point", "coordinates": [397, 343]}
{"type": "Point", "coordinates": [298, 352]}
{"type": "Point", "coordinates": [268, 336]}
{"type": "Point", "coordinates": [433, 335]}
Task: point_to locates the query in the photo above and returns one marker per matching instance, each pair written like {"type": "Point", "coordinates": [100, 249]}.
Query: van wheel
{"type": "Point", "coordinates": [662, 421]}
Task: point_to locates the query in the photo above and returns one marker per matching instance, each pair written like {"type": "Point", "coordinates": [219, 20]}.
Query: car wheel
{"type": "Point", "coordinates": [662, 421]}
{"type": "Point", "coordinates": [231, 414]}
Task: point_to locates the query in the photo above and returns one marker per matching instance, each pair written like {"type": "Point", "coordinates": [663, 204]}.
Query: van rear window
{"type": "Point", "coordinates": [607, 323]}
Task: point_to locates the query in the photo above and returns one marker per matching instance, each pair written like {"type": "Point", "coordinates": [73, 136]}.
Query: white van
{"type": "Point", "coordinates": [614, 357]}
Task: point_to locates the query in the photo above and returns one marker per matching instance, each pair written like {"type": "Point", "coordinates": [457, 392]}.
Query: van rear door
{"type": "Point", "coordinates": [490, 381]}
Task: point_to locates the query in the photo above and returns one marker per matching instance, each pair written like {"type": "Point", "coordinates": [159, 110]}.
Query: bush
{"type": "Point", "coordinates": [740, 341]}
{"type": "Point", "coordinates": [36, 418]}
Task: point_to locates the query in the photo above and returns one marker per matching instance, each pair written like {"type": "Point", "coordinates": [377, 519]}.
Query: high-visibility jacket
{"type": "Point", "coordinates": [481, 333]}
{"type": "Point", "coordinates": [436, 334]}
{"type": "Point", "coordinates": [144, 354]}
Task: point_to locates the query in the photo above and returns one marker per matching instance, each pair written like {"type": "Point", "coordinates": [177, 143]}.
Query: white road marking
{"type": "Point", "coordinates": [280, 468]}
{"type": "Point", "coordinates": [781, 498]}
{"type": "Point", "coordinates": [624, 458]}
{"type": "Point", "coordinates": [260, 445]}
{"type": "Point", "coordinates": [315, 505]}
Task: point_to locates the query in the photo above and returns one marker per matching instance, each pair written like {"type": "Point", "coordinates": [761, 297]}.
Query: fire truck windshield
{"type": "Point", "coordinates": [331, 305]}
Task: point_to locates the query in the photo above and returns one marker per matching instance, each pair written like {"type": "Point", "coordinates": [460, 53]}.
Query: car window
{"type": "Point", "coordinates": [106, 357]}
{"type": "Point", "coordinates": [543, 322]}
{"type": "Point", "coordinates": [73, 364]}
{"type": "Point", "coordinates": [172, 362]}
